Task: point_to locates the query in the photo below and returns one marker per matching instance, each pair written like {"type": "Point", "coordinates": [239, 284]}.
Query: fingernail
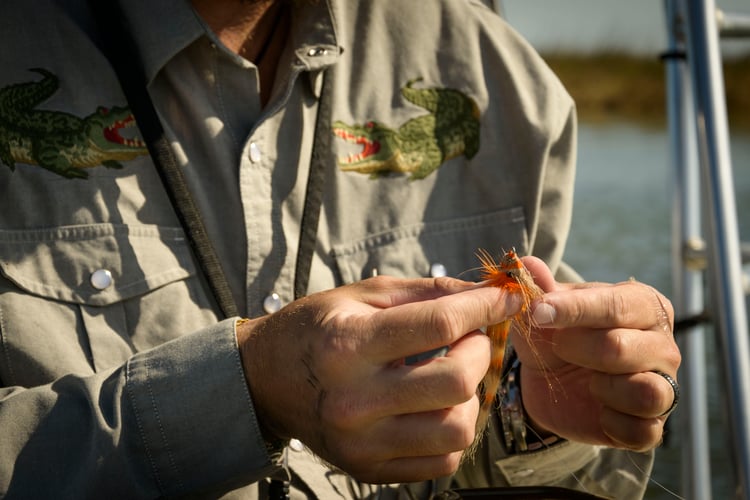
{"type": "Point", "coordinates": [544, 314]}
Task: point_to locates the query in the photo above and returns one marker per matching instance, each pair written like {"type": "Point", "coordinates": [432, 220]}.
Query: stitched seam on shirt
{"type": "Point", "coordinates": [88, 232]}
{"type": "Point", "coordinates": [152, 282]}
{"type": "Point", "coordinates": [511, 215]}
{"type": "Point", "coordinates": [163, 435]}
{"type": "Point", "coordinates": [142, 433]}
{"type": "Point", "coordinates": [3, 329]}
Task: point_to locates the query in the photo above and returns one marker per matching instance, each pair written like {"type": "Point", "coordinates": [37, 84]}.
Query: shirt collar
{"type": "Point", "coordinates": [162, 28]}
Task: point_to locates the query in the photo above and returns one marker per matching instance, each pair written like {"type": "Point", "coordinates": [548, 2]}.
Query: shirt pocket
{"type": "Point", "coordinates": [79, 299]}
{"type": "Point", "coordinates": [437, 248]}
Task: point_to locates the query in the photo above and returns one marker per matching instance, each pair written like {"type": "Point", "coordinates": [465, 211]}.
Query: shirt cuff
{"type": "Point", "coordinates": [194, 412]}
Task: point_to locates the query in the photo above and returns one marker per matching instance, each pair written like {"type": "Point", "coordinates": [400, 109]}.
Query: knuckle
{"type": "Point", "coordinates": [458, 430]}
{"type": "Point", "coordinates": [673, 356]}
{"type": "Point", "coordinates": [377, 282]}
{"type": "Point", "coordinates": [653, 397]}
{"type": "Point", "coordinates": [613, 347]}
{"type": "Point", "coordinates": [466, 438]}
{"type": "Point", "coordinates": [618, 306]}
{"type": "Point", "coordinates": [665, 304]}
{"type": "Point", "coordinates": [574, 313]}
{"type": "Point", "coordinates": [452, 463]}
{"type": "Point", "coordinates": [445, 285]}
{"type": "Point", "coordinates": [444, 325]}
{"type": "Point", "coordinates": [467, 429]}
{"type": "Point", "coordinates": [650, 435]}
{"type": "Point", "coordinates": [353, 456]}
{"type": "Point", "coordinates": [460, 384]}
{"type": "Point", "coordinates": [641, 435]}
{"type": "Point", "coordinates": [448, 465]}
{"type": "Point", "coordinates": [344, 413]}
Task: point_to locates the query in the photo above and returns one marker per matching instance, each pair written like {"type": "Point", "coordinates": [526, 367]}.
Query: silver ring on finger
{"type": "Point", "coordinates": [675, 390]}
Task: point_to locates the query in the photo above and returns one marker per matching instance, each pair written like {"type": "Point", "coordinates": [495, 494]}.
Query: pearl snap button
{"type": "Point", "coordinates": [296, 445]}
{"type": "Point", "coordinates": [101, 279]}
{"type": "Point", "coordinates": [317, 51]}
{"type": "Point", "coordinates": [438, 270]}
{"type": "Point", "coordinates": [255, 155]}
{"type": "Point", "coordinates": [272, 303]}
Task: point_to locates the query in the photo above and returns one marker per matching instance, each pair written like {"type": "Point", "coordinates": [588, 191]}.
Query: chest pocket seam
{"type": "Point", "coordinates": [57, 263]}
{"type": "Point", "coordinates": [410, 251]}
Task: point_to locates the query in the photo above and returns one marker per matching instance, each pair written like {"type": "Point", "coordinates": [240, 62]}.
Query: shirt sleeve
{"type": "Point", "coordinates": [174, 419]}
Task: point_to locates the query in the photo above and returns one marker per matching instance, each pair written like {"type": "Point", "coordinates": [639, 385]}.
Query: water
{"type": "Point", "coordinates": [622, 228]}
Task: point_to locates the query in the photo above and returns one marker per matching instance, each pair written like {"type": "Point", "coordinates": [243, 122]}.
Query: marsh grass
{"type": "Point", "coordinates": [622, 87]}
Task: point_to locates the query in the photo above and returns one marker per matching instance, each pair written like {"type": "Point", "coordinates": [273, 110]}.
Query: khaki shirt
{"type": "Point", "coordinates": [118, 378]}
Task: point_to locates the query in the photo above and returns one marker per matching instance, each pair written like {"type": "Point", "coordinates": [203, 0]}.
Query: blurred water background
{"type": "Point", "coordinates": [606, 53]}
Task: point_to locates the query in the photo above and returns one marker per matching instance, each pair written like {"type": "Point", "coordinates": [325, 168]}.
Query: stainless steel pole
{"type": "Point", "coordinates": [725, 269]}
{"type": "Point", "coordinates": [688, 260]}
{"type": "Point", "coordinates": [733, 25]}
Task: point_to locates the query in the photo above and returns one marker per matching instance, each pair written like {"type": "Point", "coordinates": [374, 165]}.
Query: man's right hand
{"type": "Point", "coordinates": [329, 370]}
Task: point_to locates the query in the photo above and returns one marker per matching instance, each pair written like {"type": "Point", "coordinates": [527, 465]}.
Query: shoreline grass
{"type": "Point", "coordinates": [613, 86]}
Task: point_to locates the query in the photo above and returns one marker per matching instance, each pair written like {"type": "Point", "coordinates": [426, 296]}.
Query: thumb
{"type": "Point", "coordinates": [541, 273]}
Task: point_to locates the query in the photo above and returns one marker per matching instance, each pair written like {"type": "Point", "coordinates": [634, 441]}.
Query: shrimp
{"type": "Point", "coordinates": [511, 275]}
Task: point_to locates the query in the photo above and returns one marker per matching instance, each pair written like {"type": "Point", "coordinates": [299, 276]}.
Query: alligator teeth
{"type": "Point", "coordinates": [134, 143]}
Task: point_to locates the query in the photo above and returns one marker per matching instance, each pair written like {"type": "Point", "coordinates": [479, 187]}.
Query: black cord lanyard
{"type": "Point", "coordinates": [116, 40]}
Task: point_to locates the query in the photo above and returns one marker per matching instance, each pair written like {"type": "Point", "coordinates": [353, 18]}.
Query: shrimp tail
{"type": "Point", "coordinates": [490, 384]}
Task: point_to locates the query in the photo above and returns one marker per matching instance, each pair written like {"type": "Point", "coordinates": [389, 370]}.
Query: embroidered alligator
{"type": "Point", "coordinates": [58, 141]}
{"type": "Point", "coordinates": [420, 145]}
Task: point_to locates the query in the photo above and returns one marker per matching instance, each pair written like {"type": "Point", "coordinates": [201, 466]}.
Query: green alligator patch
{"type": "Point", "coordinates": [61, 142]}
{"type": "Point", "coordinates": [419, 146]}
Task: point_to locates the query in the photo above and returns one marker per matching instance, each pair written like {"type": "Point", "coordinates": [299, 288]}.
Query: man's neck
{"type": "Point", "coordinates": [254, 29]}
{"type": "Point", "coordinates": [243, 26]}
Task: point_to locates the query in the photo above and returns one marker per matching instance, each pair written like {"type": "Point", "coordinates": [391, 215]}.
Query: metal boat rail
{"type": "Point", "coordinates": [704, 194]}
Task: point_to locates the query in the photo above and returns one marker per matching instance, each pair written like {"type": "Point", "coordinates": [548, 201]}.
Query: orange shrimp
{"type": "Point", "coordinates": [511, 275]}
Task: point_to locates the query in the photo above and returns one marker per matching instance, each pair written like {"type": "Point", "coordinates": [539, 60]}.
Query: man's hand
{"type": "Point", "coordinates": [329, 370]}
{"type": "Point", "coordinates": [590, 376]}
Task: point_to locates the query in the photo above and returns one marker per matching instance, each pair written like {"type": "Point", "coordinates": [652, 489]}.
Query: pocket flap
{"type": "Point", "coordinates": [97, 264]}
{"type": "Point", "coordinates": [431, 248]}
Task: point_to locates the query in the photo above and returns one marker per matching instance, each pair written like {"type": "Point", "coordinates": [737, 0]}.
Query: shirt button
{"type": "Point", "coordinates": [296, 445]}
{"type": "Point", "coordinates": [101, 279]}
{"type": "Point", "coordinates": [524, 472]}
{"type": "Point", "coordinates": [317, 51]}
{"type": "Point", "coordinates": [272, 303]}
{"type": "Point", "coordinates": [255, 155]}
{"type": "Point", "coordinates": [438, 270]}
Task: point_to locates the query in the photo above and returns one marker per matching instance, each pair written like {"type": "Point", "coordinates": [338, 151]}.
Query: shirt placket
{"type": "Point", "coordinates": [274, 168]}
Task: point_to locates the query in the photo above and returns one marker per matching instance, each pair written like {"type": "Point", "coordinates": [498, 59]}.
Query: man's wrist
{"type": "Point", "coordinates": [274, 444]}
